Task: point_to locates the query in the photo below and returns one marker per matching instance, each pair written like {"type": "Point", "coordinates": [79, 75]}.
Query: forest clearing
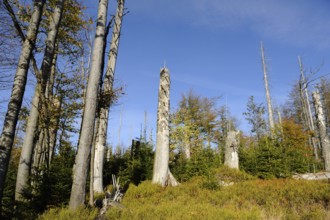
{"type": "Point", "coordinates": [92, 128]}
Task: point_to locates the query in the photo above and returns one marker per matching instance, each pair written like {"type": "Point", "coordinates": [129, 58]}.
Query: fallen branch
{"type": "Point", "coordinates": [111, 199]}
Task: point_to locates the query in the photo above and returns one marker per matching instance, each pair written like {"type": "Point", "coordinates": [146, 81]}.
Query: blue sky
{"type": "Point", "coordinates": [213, 47]}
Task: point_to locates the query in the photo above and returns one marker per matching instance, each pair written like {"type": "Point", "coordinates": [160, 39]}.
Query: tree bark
{"type": "Point", "coordinates": [24, 166]}
{"type": "Point", "coordinates": [231, 150]}
{"type": "Point", "coordinates": [15, 102]}
{"type": "Point", "coordinates": [106, 98]}
{"type": "Point", "coordinates": [161, 172]}
{"type": "Point", "coordinates": [324, 138]}
{"type": "Point", "coordinates": [268, 97]}
{"type": "Point", "coordinates": [80, 169]}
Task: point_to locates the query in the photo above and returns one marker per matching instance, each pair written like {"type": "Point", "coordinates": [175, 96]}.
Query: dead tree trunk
{"type": "Point", "coordinates": [187, 152]}
{"type": "Point", "coordinates": [24, 166]}
{"type": "Point", "coordinates": [268, 97]}
{"type": "Point", "coordinates": [307, 107]}
{"type": "Point", "coordinates": [80, 169]}
{"type": "Point", "coordinates": [231, 150]}
{"type": "Point", "coordinates": [324, 138]}
{"type": "Point", "coordinates": [106, 99]}
{"type": "Point", "coordinates": [161, 172]}
{"type": "Point", "coordinates": [15, 102]}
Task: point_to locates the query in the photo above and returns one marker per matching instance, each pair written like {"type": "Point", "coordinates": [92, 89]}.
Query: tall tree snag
{"type": "Point", "coordinates": [161, 172]}
{"type": "Point", "coordinates": [18, 89]}
{"type": "Point", "coordinates": [307, 107]}
{"type": "Point", "coordinates": [106, 99]}
{"type": "Point", "coordinates": [324, 138]}
{"type": "Point", "coordinates": [231, 150]}
{"type": "Point", "coordinates": [268, 97]}
{"type": "Point", "coordinates": [80, 168]}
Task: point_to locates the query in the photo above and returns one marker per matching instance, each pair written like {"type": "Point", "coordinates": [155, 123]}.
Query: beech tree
{"type": "Point", "coordinates": [40, 92]}
{"type": "Point", "coordinates": [186, 124]}
{"type": "Point", "coordinates": [107, 97]}
{"type": "Point", "coordinates": [77, 197]}
{"type": "Point", "coordinates": [195, 124]}
{"type": "Point", "coordinates": [161, 172]}
{"type": "Point", "coordinates": [15, 102]}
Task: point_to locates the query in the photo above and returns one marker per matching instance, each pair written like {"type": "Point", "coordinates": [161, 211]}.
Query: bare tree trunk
{"type": "Point", "coordinates": [106, 99]}
{"type": "Point", "coordinates": [279, 117]}
{"type": "Point", "coordinates": [187, 152]}
{"type": "Point", "coordinates": [269, 102]}
{"type": "Point", "coordinates": [80, 169]}
{"type": "Point", "coordinates": [91, 176]}
{"type": "Point", "coordinates": [307, 107]}
{"type": "Point", "coordinates": [29, 140]}
{"type": "Point", "coordinates": [109, 153]}
{"type": "Point", "coordinates": [56, 103]}
{"type": "Point", "coordinates": [324, 138]}
{"type": "Point", "coordinates": [161, 172]}
{"type": "Point", "coordinates": [25, 161]}
{"type": "Point", "coordinates": [15, 102]}
{"type": "Point", "coordinates": [231, 150]}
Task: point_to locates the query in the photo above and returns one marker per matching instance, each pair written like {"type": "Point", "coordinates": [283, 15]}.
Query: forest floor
{"type": "Point", "coordinates": [227, 195]}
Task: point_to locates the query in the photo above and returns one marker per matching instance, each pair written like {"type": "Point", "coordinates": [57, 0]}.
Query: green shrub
{"type": "Point", "coordinates": [286, 153]}
{"type": "Point", "coordinates": [201, 164]}
{"type": "Point", "coordinates": [67, 214]}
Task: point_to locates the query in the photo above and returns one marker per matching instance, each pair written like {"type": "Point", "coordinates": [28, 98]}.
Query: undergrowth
{"type": "Point", "coordinates": [247, 198]}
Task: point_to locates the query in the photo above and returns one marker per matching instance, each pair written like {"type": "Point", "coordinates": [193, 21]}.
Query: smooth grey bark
{"type": "Point", "coordinates": [161, 172]}
{"type": "Point", "coordinates": [268, 97]}
{"type": "Point", "coordinates": [231, 150]}
{"type": "Point", "coordinates": [91, 175]}
{"type": "Point", "coordinates": [106, 99]}
{"type": "Point", "coordinates": [321, 124]}
{"type": "Point", "coordinates": [18, 89]}
{"type": "Point", "coordinates": [24, 166]}
{"type": "Point", "coordinates": [25, 161]}
{"type": "Point", "coordinates": [307, 107]}
{"type": "Point", "coordinates": [80, 169]}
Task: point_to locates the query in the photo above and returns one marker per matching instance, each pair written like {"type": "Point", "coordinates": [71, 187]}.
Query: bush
{"type": "Point", "coordinates": [134, 166]}
{"type": "Point", "coordinates": [287, 153]}
{"type": "Point", "coordinates": [201, 164]}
